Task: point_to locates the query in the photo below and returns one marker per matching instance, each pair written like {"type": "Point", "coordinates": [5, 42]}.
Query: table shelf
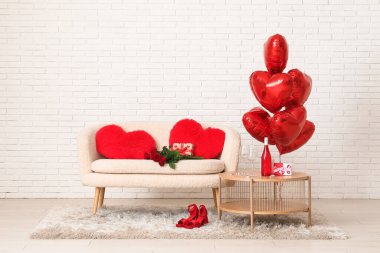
{"type": "Point", "coordinates": [265, 206]}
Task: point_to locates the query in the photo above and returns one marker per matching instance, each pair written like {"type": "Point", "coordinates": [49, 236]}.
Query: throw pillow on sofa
{"type": "Point", "coordinates": [113, 142]}
{"type": "Point", "coordinates": [208, 143]}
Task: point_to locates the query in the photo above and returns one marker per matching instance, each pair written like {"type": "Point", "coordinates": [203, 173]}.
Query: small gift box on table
{"type": "Point", "coordinates": [282, 169]}
{"type": "Point", "coordinates": [183, 148]}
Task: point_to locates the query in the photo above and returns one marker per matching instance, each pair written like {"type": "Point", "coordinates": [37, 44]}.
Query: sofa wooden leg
{"type": "Point", "coordinates": [96, 200]}
{"type": "Point", "coordinates": [101, 197]}
{"type": "Point", "coordinates": [215, 193]}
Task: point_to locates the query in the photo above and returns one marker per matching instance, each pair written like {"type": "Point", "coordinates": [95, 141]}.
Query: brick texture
{"type": "Point", "coordinates": [66, 64]}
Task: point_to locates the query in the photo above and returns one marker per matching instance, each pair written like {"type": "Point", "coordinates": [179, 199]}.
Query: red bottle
{"type": "Point", "coordinates": [266, 160]}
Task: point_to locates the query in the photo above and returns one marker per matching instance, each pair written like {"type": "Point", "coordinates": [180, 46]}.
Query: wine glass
{"type": "Point", "coordinates": [244, 153]}
{"type": "Point", "coordinates": [251, 156]}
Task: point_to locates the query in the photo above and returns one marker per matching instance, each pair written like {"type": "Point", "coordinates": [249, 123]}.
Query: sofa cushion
{"type": "Point", "coordinates": [114, 142]}
{"type": "Point", "coordinates": [208, 142]}
{"type": "Point", "coordinates": [133, 166]}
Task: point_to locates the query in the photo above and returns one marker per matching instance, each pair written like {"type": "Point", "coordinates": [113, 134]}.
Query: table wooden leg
{"type": "Point", "coordinates": [275, 195]}
{"type": "Point", "coordinates": [219, 198]}
{"type": "Point", "coordinates": [309, 223]}
{"type": "Point", "coordinates": [251, 204]}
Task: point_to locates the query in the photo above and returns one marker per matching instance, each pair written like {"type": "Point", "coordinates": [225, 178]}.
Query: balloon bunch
{"type": "Point", "coordinates": [288, 129]}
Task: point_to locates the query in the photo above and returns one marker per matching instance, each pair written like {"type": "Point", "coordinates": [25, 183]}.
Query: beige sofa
{"type": "Point", "coordinates": [98, 172]}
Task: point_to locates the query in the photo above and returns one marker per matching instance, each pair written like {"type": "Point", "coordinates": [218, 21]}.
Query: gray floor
{"type": "Point", "coordinates": [359, 218]}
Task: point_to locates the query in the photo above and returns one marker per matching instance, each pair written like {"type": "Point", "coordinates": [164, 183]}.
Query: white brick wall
{"type": "Point", "coordinates": [65, 64]}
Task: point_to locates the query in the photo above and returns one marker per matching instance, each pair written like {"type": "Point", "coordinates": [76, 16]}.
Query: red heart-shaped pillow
{"type": "Point", "coordinates": [305, 135]}
{"type": "Point", "coordinates": [256, 122]}
{"type": "Point", "coordinates": [113, 142]}
{"type": "Point", "coordinates": [272, 91]}
{"type": "Point", "coordinates": [286, 125]}
{"type": "Point", "coordinates": [208, 143]}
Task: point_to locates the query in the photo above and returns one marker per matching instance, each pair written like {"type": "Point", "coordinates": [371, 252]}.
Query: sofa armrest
{"type": "Point", "coordinates": [87, 149]}
{"type": "Point", "coordinates": [231, 149]}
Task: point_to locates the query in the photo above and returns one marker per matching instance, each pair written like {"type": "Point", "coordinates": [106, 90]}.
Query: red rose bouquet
{"type": "Point", "coordinates": [166, 155]}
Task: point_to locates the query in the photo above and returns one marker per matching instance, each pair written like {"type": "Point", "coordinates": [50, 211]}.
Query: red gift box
{"type": "Point", "coordinates": [282, 169]}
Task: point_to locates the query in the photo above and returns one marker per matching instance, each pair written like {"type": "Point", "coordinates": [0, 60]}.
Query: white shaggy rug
{"type": "Point", "coordinates": [123, 222]}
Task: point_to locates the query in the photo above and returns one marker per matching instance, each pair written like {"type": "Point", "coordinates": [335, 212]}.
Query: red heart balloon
{"type": "Point", "coordinates": [272, 91]}
{"type": "Point", "coordinates": [256, 122]}
{"type": "Point", "coordinates": [305, 135]}
{"type": "Point", "coordinates": [113, 142]}
{"type": "Point", "coordinates": [276, 53]}
{"type": "Point", "coordinates": [301, 87]}
{"type": "Point", "coordinates": [286, 125]}
{"type": "Point", "coordinates": [208, 143]}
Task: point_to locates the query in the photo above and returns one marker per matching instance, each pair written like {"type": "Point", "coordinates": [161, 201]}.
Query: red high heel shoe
{"type": "Point", "coordinates": [193, 211]}
{"type": "Point", "coordinates": [201, 220]}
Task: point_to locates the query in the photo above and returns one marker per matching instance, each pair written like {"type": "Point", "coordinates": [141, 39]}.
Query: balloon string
{"type": "Point", "coordinates": [279, 156]}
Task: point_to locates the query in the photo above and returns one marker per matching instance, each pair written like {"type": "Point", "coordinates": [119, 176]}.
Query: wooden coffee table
{"type": "Point", "coordinates": [247, 192]}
